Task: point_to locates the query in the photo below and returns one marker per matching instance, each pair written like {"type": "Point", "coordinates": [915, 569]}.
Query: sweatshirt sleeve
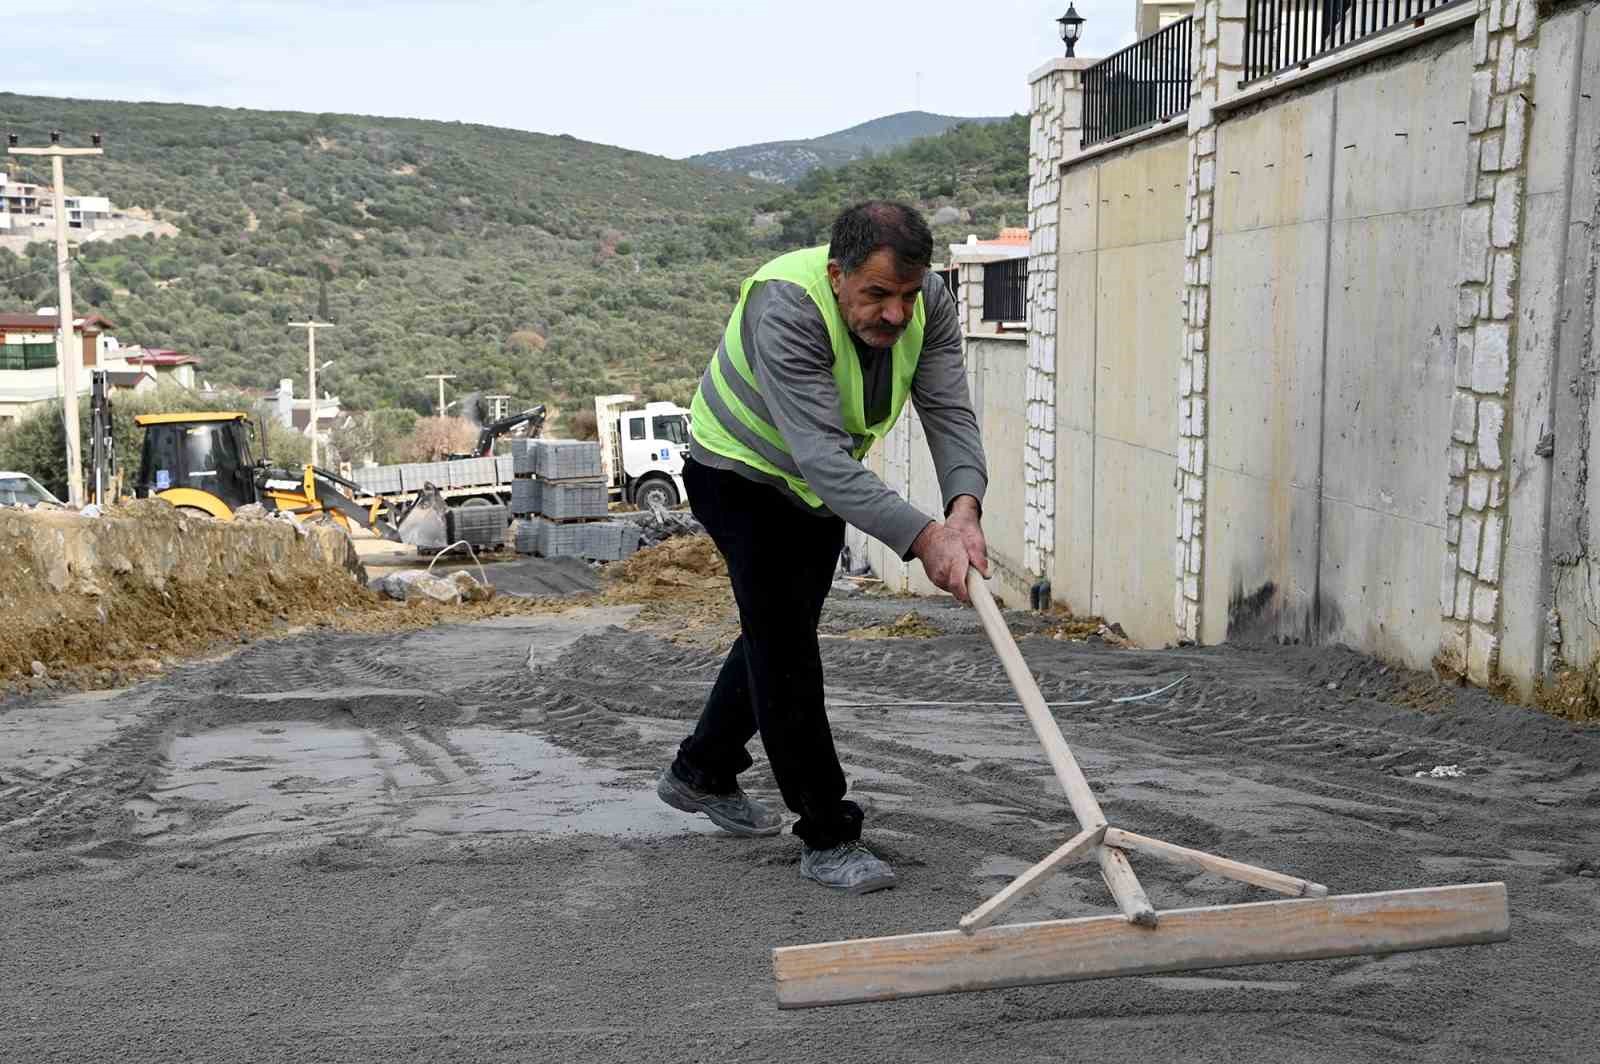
{"type": "Point", "coordinates": [787, 346]}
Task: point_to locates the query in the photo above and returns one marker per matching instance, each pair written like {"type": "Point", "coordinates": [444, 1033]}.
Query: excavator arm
{"type": "Point", "coordinates": [495, 429]}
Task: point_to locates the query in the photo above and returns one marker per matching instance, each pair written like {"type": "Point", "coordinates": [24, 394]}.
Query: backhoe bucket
{"type": "Point", "coordinates": [424, 524]}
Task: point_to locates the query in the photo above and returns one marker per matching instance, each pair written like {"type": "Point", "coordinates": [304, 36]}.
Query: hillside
{"type": "Point", "coordinates": [536, 265]}
{"type": "Point", "coordinates": [543, 267]}
{"type": "Point", "coordinates": [786, 161]}
{"type": "Point", "coordinates": [972, 179]}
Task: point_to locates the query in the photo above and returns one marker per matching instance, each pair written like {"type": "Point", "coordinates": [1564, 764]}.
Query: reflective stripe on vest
{"type": "Point", "coordinates": [728, 415]}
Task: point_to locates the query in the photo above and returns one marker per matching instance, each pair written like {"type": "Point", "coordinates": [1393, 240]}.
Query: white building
{"type": "Point", "coordinates": [84, 211]}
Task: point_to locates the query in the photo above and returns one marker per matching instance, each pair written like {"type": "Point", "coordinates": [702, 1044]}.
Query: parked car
{"type": "Point", "coordinates": [19, 489]}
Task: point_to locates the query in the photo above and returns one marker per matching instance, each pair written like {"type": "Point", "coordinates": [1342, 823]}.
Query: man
{"type": "Point", "coordinates": [816, 364]}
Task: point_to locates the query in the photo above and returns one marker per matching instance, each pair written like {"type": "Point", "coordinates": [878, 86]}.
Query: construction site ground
{"type": "Point", "coordinates": [444, 843]}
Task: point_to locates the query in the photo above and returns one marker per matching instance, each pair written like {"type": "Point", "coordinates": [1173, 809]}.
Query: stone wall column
{"type": "Point", "coordinates": [1054, 135]}
{"type": "Point", "coordinates": [1218, 64]}
{"type": "Point", "coordinates": [1498, 112]}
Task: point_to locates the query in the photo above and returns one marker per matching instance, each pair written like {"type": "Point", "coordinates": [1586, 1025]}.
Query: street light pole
{"type": "Point", "coordinates": [311, 328]}
{"type": "Point", "coordinates": [68, 362]}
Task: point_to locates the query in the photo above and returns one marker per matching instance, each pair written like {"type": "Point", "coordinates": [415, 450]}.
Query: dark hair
{"type": "Point", "coordinates": [866, 227]}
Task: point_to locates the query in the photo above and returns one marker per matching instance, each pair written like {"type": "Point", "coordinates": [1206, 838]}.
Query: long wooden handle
{"type": "Point", "coordinates": [1114, 867]}
{"type": "Point", "coordinates": [1081, 798]}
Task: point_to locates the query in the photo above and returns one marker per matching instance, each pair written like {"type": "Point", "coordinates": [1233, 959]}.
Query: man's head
{"type": "Point", "coordinates": [877, 259]}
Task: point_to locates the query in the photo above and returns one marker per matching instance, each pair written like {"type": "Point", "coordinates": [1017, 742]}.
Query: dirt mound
{"type": "Point", "coordinates": [99, 601]}
{"type": "Point", "coordinates": [683, 586]}
{"type": "Point", "coordinates": [1061, 624]}
{"type": "Point", "coordinates": [912, 625]}
{"type": "Point", "coordinates": [1571, 693]}
{"type": "Point", "coordinates": [689, 563]}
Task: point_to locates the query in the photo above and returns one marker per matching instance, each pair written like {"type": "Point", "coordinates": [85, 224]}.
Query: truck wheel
{"type": "Point", "coordinates": [476, 500]}
{"type": "Point", "coordinates": [653, 492]}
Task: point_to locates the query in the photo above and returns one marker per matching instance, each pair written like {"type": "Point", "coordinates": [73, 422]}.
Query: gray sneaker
{"type": "Point", "coordinates": [849, 867]}
{"type": "Point", "coordinates": [736, 812]}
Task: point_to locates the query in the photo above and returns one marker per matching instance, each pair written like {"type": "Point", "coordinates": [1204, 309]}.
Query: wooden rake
{"type": "Point", "coordinates": [982, 955]}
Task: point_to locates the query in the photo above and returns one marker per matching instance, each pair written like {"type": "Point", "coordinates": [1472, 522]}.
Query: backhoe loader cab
{"type": "Point", "coordinates": [204, 462]}
{"type": "Point", "coordinates": [190, 455]}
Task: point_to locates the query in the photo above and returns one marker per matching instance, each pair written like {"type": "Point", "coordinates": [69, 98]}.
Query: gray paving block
{"type": "Point", "coordinates": [522, 457]}
{"type": "Point", "coordinates": [566, 459]}
{"type": "Point", "coordinates": [481, 526]}
{"type": "Point", "coordinates": [573, 500]}
{"type": "Point", "coordinates": [525, 495]}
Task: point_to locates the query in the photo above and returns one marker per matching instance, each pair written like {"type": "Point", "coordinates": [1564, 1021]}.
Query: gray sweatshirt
{"type": "Point", "coordinates": [787, 346]}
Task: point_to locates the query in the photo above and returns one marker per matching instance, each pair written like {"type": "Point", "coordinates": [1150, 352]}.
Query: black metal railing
{"type": "Point", "coordinates": [952, 280]}
{"type": "Point", "coordinates": [1283, 34]}
{"type": "Point", "coordinates": [1145, 83]}
{"type": "Point", "coordinates": [1005, 290]}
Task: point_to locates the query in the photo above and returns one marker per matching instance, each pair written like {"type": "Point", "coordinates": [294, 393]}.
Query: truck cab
{"type": "Point", "coordinates": [642, 449]}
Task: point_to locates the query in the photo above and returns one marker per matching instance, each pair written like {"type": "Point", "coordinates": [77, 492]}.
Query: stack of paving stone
{"type": "Point", "coordinates": [559, 489]}
{"type": "Point", "coordinates": [480, 526]}
{"type": "Point", "coordinates": [524, 488]}
{"type": "Point", "coordinates": [600, 541]}
{"type": "Point", "coordinates": [572, 487]}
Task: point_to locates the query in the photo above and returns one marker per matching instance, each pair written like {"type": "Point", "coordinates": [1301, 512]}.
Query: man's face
{"type": "Point", "coordinates": [877, 298]}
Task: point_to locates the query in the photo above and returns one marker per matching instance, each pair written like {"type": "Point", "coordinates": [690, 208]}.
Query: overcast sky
{"type": "Point", "coordinates": [672, 77]}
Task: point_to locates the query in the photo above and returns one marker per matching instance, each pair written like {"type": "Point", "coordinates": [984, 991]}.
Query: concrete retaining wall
{"type": "Point", "coordinates": [1366, 292]}
{"type": "Point", "coordinates": [995, 369]}
{"type": "Point", "coordinates": [1120, 271]}
{"type": "Point", "coordinates": [1332, 361]}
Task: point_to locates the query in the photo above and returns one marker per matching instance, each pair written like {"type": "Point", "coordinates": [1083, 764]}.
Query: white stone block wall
{"type": "Point", "coordinates": [1498, 111]}
{"type": "Point", "coordinates": [1218, 62]}
{"type": "Point", "coordinates": [1056, 122]}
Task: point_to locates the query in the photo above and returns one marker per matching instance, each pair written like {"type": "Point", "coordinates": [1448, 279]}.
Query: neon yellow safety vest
{"type": "Point", "coordinates": [728, 416]}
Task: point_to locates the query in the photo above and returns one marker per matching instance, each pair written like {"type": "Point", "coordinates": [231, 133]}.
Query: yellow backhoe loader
{"type": "Point", "coordinates": [204, 462]}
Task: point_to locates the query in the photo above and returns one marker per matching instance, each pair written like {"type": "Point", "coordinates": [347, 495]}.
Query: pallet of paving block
{"type": "Point", "coordinates": [522, 457]}
{"type": "Point", "coordinates": [567, 459]}
{"type": "Point", "coordinates": [581, 500]}
{"type": "Point", "coordinates": [525, 496]}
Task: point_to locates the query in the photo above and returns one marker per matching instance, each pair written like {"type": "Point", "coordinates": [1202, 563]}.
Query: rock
{"type": "Point", "coordinates": [469, 589]}
{"type": "Point", "coordinates": [39, 670]}
{"type": "Point", "coordinates": [414, 585]}
{"type": "Point", "coordinates": [946, 216]}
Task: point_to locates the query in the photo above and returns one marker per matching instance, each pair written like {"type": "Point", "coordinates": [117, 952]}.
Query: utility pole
{"type": "Point", "coordinates": [68, 361]}
{"type": "Point", "coordinates": [311, 328]}
{"type": "Point", "coordinates": [441, 378]}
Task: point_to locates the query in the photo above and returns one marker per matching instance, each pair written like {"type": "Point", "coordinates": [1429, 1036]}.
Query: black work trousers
{"type": "Point", "coordinates": [781, 561]}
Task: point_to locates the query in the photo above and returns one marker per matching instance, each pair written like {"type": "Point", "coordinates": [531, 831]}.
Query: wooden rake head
{"type": "Point", "coordinates": [981, 955]}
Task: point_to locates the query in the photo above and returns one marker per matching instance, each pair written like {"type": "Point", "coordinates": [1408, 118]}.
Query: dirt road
{"type": "Point", "coordinates": [444, 844]}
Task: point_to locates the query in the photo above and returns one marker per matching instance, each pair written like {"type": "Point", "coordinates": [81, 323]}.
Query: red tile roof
{"type": "Point", "coordinates": [48, 321]}
{"type": "Point", "coordinates": [162, 356]}
{"type": "Point", "coordinates": [1009, 235]}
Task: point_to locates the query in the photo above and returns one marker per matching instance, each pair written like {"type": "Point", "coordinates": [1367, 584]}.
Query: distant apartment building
{"type": "Point", "coordinates": [19, 204]}
{"type": "Point", "coordinates": [24, 205]}
{"type": "Point", "coordinates": [85, 212]}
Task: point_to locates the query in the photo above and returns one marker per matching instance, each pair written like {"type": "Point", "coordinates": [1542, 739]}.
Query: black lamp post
{"type": "Point", "coordinates": [1071, 28]}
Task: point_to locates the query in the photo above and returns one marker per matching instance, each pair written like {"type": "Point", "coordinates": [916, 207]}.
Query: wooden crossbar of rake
{"type": "Point", "coordinates": [981, 954]}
